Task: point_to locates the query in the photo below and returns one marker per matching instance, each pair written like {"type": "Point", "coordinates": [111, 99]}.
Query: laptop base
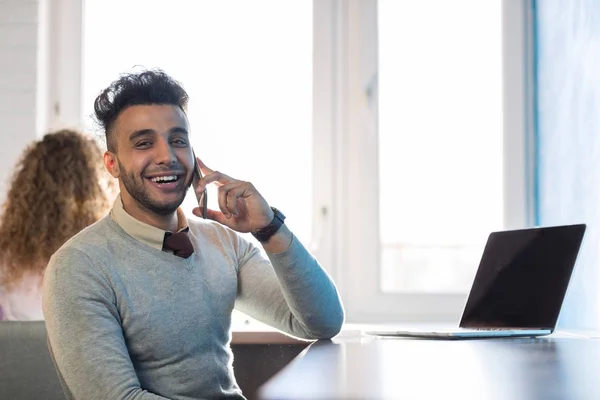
{"type": "Point", "coordinates": [454, 334]}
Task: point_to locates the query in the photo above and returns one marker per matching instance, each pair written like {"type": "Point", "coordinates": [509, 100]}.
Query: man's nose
{"type": "Point", "coordinates": [165, 154]}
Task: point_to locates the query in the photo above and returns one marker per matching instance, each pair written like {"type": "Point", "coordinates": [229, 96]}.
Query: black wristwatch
{"type": "Point", "coordinates": [263, 235]}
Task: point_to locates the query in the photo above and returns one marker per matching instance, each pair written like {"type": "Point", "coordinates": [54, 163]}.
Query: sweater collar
{"type": "Point", "coordinates": [148, 234]}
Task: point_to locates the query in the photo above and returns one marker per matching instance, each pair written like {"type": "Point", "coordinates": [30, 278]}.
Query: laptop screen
{"type": "Point", "coordinates": [522, 278]}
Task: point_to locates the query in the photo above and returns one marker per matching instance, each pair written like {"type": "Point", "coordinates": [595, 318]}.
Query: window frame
{"type": "Point", "coordinates": [59, 66]}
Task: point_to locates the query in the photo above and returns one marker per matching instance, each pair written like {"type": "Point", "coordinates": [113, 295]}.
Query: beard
{"type": "Point", "coordinates": [139, 192]}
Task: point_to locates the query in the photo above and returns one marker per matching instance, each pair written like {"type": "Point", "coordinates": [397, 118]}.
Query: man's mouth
{"type": "Point", "coordinates": [167, 183]}
{"type": "Point", "coordinates": [165, 179]}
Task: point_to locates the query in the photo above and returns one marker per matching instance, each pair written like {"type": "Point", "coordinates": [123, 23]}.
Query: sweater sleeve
{"type": "Point", "coordinates": [289, 291]}
{"type": "Point", "coordinates": [85, 337]}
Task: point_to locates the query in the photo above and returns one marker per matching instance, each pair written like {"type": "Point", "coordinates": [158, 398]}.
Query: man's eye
{"type": "Point", "coordinates": [143, 144]}
{"type": "Point", "coordinates": [180, 142]}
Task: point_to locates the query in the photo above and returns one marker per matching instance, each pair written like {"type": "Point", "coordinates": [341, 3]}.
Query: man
{"type": "Point", "coordinates": [129, 314]}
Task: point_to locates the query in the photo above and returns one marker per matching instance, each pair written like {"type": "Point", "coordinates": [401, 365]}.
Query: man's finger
{"type": "Point", "coordinates": [228, 209]}
{"type": "Point", "coordinates": [228, 195]}
{"type": "Point", "coordinates": [205, 170]}
{"type": "Point", "coordinates": [222, 200]}
{"type": "Point", "coordinates": [216, 177]}
{"type": "Point", "coordinates": [211, 176]}
{"type": "Point", "coordinates": [197, 212]}
{"type": "Point", "coordinates": [233, 193]}
{"type": "Point", "coordinates": [211, 214]}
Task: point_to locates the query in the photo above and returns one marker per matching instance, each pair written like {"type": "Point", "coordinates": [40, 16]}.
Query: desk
{"type": "Point", "coordinates": [365, 367]}
{"type": "Point", "coordinates": [259, 353]}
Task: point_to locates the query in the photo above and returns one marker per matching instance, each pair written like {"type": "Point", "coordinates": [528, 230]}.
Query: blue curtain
{"type": "Point", "coordinates": [567, 134]}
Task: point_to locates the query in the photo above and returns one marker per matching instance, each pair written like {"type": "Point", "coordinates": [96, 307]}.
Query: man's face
{"type": "Point", "coordinates": [153, 159]}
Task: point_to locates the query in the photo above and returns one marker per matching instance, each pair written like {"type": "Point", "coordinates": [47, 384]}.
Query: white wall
{"type": "Point", "coordinates": [18, 81]}
{"type": "Point", "coordinates": [40, 52]}
{"type": "Point", "coordinates": [568, 56]}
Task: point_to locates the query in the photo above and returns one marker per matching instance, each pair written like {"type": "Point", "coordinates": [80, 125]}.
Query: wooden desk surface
{"type": "Point", "coordinates": [365, 367]}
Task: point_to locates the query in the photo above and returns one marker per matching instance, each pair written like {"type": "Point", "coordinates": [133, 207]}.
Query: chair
{"type": "Point", "coordinates": [26, 369]}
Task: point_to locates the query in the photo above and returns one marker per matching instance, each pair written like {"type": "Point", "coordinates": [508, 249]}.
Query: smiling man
{"type": "Point", "coordinates": [138, 306]}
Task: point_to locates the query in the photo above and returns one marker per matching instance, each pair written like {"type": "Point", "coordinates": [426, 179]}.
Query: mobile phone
{"type": "Point", "coordinates": [202, 197]}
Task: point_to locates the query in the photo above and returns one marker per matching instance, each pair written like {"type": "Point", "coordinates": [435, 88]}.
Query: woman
{"type": "Point", "coordinates": [59, 187]}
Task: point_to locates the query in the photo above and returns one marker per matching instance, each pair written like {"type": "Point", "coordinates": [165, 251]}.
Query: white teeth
{"type": "Point", "coordinates": [162, 179]}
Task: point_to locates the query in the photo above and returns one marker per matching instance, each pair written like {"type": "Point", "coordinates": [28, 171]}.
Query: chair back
{"type": "Point", "coordinates": [26, 369]}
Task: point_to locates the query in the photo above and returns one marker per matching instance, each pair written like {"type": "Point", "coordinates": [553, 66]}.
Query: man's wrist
{"type": "Point", "coordinates": [264, 234]}
{"type": "Point", "coordinates": [279, 242]}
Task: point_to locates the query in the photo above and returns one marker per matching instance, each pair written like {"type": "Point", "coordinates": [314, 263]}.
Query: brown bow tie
{"type": "Point", "coordinates": [179, 243]}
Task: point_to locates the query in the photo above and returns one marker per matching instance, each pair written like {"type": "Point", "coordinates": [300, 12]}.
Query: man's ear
{"type": "Point", "coordinates": [111, 164]}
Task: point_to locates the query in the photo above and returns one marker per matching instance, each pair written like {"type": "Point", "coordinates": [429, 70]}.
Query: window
{"type": "Point", "coordinates": [394, 134]}
{"type": "Point", "coordinates": [425, 124]}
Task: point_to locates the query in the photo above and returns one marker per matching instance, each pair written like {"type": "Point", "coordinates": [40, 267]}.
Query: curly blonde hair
{"type": "Point", "coordinates": [59, 187]}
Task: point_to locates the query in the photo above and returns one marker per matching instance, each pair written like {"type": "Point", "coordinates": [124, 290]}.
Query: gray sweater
{"type": "Point", "coordinates": [128, 321]}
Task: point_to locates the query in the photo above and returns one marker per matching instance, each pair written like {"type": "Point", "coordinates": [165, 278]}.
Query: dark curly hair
{"type": "Point", "coordinates": [142, 88]}
{"type": "Point", "coordinates": [59, 187]}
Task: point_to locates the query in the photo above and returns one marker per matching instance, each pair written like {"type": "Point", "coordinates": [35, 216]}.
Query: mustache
{"type": "Point", "coordinates": [176, 169]}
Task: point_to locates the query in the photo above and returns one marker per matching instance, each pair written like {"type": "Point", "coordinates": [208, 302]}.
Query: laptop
{"type": "Point", "coordinates": [519, 287]}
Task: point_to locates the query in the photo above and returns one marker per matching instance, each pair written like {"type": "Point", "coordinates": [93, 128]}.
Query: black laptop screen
{"type": "Point", "coordinates": [523, 277]}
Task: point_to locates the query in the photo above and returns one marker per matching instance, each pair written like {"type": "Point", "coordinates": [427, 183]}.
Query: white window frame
{"type": "Point", "coordinates": [345, 164]}
{"type": "Point", "coordinates": [59, 75]}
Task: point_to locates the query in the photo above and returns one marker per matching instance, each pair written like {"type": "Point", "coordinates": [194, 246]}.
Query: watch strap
{"type": "Point", "coordinates": [263, 235]}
